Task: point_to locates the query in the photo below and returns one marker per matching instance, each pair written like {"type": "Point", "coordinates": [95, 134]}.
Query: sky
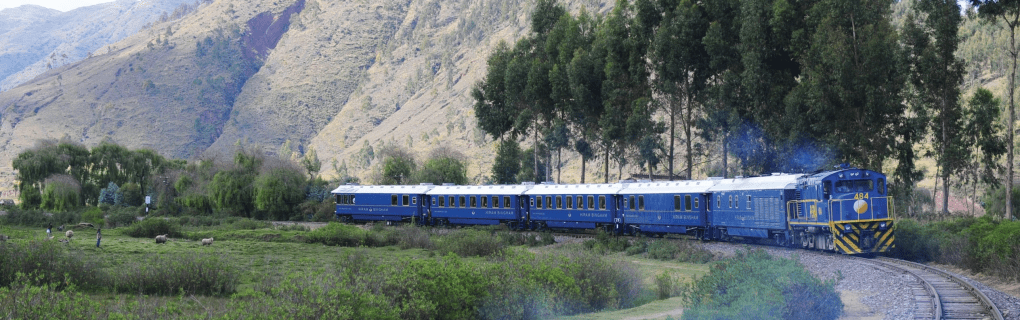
{"type": "Point", "coordinates": [62, 5]}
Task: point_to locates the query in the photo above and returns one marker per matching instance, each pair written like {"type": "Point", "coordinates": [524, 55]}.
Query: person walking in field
{"type": "Point", "coordinates": [99, 236]}
{"type": "Point", "coordinates": [49, 228]}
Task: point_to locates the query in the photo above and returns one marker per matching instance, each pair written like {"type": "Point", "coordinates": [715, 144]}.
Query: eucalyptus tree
{"type": "Point", "coordinates": [1009, 12]}
{"type": "Point", "coordinates": [682, 68]}
{"type": "Point", "coordinates": [935, 77]}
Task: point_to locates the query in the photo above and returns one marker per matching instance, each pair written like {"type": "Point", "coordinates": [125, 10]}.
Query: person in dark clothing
{"type": "Point", "coordinates": [99, 236]}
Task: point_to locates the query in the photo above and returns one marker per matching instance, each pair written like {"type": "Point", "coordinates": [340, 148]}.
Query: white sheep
{"type": "Point", "coordinates": [69, 234]}
{"type": "Point", "coordinates": [207, 242]}
{"type": "Point", "coordinates": [161, 238]}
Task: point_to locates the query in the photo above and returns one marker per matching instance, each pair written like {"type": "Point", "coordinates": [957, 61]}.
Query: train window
{"type": "Point", "coordinates": [632, 204]}
{"type": "Point", "coordinates": [640, 202]}
{"type": "Point", "coordinates": [749, 202]}
{"type": "Point", "coordinates": [442, 201]}
{"type": "Point", "coordinates": [570, 202]}
{"type": "Point", "coordinates": [865, 185]}
{"type": "Point", "coordinates": [462, 202]}
{"type": "Point", "coordinates": [827, 188]}
{"type": "Point", "coordinates": [602, 202]}
{"type": "Point", "coordinates": [506, 202]}
{"type": "Point", "coordinates": [559, 202]}
{"type": "Point", "coordinates": [395, 199]}
{"type": "Point", "coordinates": [591, 202]}
{"type": "Point", "coordinates": [539, 203]}
{"type": "Point", "coordinates": [731, 200]}
{"type": "Point", "coordinates": [881, 186]}
{"type": "Point", "coordinates": [406, 200]}
{"type": "Point", "coordinates": [532, 202]}
{"type": "Point", "coordinates": [350, 199]}
{"type": "Point", "coordinates": [495, 202]}
{"type": "Point", "coordinates": [453, 202]}
{"type": "Point", "coordinates": [718, 202]}
{"type": "Point", "coordinates": [474, 201]}
{"type": "Point", "coordinates": [549, 203]}
{"type": "Point", "coordinates": [676, 203]}
{"type": "Point", "coordinates": [485, 202]}
{"type": "Point", "coordinates": [687, 202]}
{"type": "Point", "coordinates": [696, 203]}
{"type": "Point", "coordinates": [414, 200]}
{"type": "Point", "coordinates": [433, 201]}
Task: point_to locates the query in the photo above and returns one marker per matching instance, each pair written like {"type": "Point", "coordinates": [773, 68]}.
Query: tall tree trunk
{"type": "Point", "coordinates": [649, 170]}
{"type": "Point", "coordinates": [945, 194]}
{"type": "Point", "coordinates": [688, 116]}
{"type": "Point", "coordinates": [607, 162]}
{"type": "Point", "coordinates": [535, 150]}
{"type": "Point", "coordinates": [559, 164]}
{"type": "Point", "coordinates": [725, 155]}
{"type": "Point", "coordinates": [672, 138]}
{"type": "Point", "coordinates": [584, 161]}
{"type": "Point", "coordinates": [1009, 143]}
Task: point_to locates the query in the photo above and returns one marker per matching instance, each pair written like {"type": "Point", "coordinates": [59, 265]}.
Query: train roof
{"type": "Point", "coordinates": [611, 188]}
{"type": "Point", "coordinates": [850, 173]}
{"type": "Point", "coordinates": [490, 189]}
{"type": "Point", "coordinates": [358, 189]}
{"type": "Point", "coordinates": [775, 181]}
{"type": "Point", "coordinates": [689, 186]}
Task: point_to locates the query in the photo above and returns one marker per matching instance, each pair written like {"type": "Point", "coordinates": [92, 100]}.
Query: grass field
{"type": "Point", "coordinates": [272, 268]}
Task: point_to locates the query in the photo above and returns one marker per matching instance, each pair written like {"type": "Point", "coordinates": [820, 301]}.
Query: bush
{"type": "Point", "coordinates": [279, 190]}
{"type": "Point", "coordinates": [151, 227]}
{"type": "Point", "coordinates": [169, 274]}
{"type": "Point", "coordinates": [46, 262]}
{"type": "Point", "coordinates": [606, 242]}
{"type": "Point", "coordinates": [667, 285]}
{"type": "Point", "coordinates": [338, 234]}
{"type": "Point", "coordinates": [756, 285]}
{"type": "Point", "coordinates": [121, 217]}
{"type": "Point", "coordinates": [915, 242]}
{"type": "Point", "coordinates": [469, 242]}
{"type": "Point", "coordinates": [94, 216]}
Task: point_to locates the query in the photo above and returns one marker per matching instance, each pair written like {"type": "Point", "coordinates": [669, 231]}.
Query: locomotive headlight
{"type": "Point", "coordinates": [882, 226]}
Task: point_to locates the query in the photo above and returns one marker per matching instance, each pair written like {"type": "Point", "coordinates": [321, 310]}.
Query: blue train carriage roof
{"type": "Point", "coordinates": [484, 190]}
{"type": "Point", "coordinates": [689, 186]}
{"type": "Point", "coordinates": [401, 189]}
{"type": "Point", "coordinates": [774, 181]}
{"type": "Point", "coordinates": [611, 188]}
{"type": "Point", "coordinates": [851, 173]}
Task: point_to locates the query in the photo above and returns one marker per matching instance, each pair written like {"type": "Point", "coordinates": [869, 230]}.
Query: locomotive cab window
{"type": "Point", "coordinates": [826, 189]}
{"type": "Point", "coordinates": [881, 186]}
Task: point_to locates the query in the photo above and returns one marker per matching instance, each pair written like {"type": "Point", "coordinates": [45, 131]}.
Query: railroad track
{"type": "Point", "coordinates": [940, 295]}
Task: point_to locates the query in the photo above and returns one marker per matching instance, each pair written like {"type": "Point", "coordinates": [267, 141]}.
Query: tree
{"type": "Point", "coordinates": [983, 126]}
{"type": "Point", "coordinates": [682, 68]}
{"type": "Point", "coordinates": [441, 170]}
{"type": "Point", "coordinates": [507, 164]}
{"type": "Point", "coordinates": [278, 190]}
{"type": "Point", "coordinates": [62, 193]}
{"type": "Point", "coordinates": [397, 168]}
{"type": "Point", "coordinates": [311, 163]}
{"type": "Point", "coordinates": [1009, 12]}
{"type": "Point", "coordinates": [935, 77]}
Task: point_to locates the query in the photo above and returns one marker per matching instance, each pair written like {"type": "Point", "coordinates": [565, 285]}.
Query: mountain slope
{"type": "Point", "coordinates": [33, 38]}
{"type": "Point", "coordinates": [334, 76]}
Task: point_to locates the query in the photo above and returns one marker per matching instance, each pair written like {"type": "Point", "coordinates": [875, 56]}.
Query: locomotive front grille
{"type": "Point", "coordinates": [863, 236]}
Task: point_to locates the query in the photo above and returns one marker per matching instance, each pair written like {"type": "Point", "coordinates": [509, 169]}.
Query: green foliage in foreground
{"type": "Point", "coordinates": [756, 285]}
{"type": "Point", "coordinates": [978, 244]}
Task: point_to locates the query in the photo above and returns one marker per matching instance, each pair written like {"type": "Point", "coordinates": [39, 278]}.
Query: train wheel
{"type": "Point", "coordinates": [805, 241]}
{"type": "Point", "coordinates": [345, 219]}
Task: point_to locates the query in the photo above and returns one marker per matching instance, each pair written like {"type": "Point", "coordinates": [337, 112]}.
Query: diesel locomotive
{"type": "Point", "coordinates": [846, 210]}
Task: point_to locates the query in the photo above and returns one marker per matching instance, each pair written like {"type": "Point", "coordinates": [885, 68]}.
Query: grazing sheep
{"type": "Point", "coordinates": [60, 228]}
{"type": "Point", "coordinates": [161, 238]}
{"type": "Point", "coordinates": [69, 234]}
{"type": "Point", "coordinates": [207, 242]}
{"type": "Point", "coordinates": [86, 224]}
{"type": "Point", "coordinates": [3, 237]}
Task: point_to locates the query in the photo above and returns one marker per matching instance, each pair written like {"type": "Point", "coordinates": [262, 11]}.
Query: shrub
{"type": "Point", "coordinates": [169, 274]}
{"type": "Point", "coordinates": [46, 262]}
{"type": "Point", "coordinates": [25, 300]}
{"type": "Point", "coordinates": [152, 227]}
{"type": "Point", "coordinates": [469, 242]}
{"type": "Point", "coordinates": [754, 284]}
{"type": "Point", "coordinates": [915, 242]}
{"type": "Point", "coordinates": [94, 216]}
{"type": "Point", "coordinates": [121, 217]}
{"type": "Point", "coordinates": [667, 285]}
{"type": "Point", "coordinates": [606, 242]}
{"type": "Point", "coordinates": [338, 234]}
{"type": "Point", "coordinates": [278, 190]}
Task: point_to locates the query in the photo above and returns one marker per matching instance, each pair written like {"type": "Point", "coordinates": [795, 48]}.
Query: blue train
{"type": "Point", "coordinates": [847, 210]}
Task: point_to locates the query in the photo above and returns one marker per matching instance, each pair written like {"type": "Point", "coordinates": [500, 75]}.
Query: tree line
{"type": "Point", "coordinates": [781, 85]}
